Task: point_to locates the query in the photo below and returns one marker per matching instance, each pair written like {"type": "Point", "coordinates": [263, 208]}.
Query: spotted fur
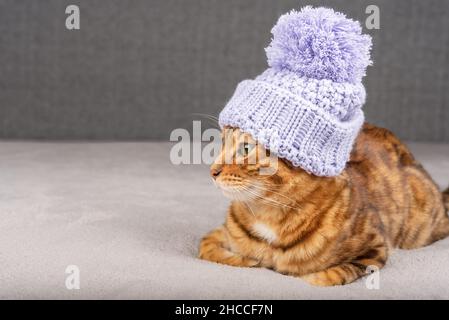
{"type": "Point", "coordinates": [326, 230]}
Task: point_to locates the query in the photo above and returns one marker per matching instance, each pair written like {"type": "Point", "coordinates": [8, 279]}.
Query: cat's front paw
{"type": "Point", "coordinates": [215, 247]}
{"type": "Point", "coordinates": [224, 256]}
{"type": "Point", "coordinates": [335, 276]}
{"type": "Point", "coordinates": [319, 279]}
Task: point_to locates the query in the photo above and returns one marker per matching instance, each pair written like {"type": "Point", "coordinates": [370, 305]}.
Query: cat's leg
{"type": "Point", "coordinates": [337, 275]}
{"type": "Point", "coordinates": [348, 272]}
{"type": "Point", "coordinates": [215, 247]}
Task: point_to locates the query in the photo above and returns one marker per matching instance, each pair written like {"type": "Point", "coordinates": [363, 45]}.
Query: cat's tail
{"type": "Point", "coordinates": [441, 230]}
{"type": "Point", "coordinates": [446, 199]}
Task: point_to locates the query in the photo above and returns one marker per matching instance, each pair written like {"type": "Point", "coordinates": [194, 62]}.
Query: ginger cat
{"type": "Point", "coordinates": [326, 230]}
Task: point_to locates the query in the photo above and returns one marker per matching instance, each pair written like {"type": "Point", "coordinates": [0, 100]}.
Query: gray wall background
{"type": "Point", "coordinates": [139, 68]}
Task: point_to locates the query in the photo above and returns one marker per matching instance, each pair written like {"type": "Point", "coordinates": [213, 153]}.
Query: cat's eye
{"type": "Point", "coordinates": [245, 148]}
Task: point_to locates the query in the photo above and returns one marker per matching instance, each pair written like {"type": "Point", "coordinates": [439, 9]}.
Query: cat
{"type": "Point", "coordinates": [325, 230]}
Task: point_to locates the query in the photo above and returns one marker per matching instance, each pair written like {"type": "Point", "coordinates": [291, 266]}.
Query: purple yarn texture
{"type": "Point", "coordinates": [306, 107]}
{"type": "Point", "coordinates": [320, 43]}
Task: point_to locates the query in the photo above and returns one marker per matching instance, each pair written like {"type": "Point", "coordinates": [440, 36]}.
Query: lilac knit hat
{"type": "Point", "coordinates": [306, 107]}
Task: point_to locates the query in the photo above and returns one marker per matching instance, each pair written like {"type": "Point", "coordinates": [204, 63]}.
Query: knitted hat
{"type": "Point", "coordinates": [306, 107]}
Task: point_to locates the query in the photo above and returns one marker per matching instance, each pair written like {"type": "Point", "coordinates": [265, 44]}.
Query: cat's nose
{"type": "Point", "coordinates": [215, 172]}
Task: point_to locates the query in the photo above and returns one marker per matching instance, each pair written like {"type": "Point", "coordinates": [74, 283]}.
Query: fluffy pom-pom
{"type": "Point", "coordinates": [320, 43]}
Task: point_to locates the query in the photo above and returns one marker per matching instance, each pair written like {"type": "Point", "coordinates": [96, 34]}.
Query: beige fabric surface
{"type": "Point", "coordinates": [131, 221]}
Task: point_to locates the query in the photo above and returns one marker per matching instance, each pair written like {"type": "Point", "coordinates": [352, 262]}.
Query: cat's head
{"type": "Point", "coordinates": [244, 170]}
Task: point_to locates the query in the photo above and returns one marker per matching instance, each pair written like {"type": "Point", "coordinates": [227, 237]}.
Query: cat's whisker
{"type": "Point", "coordinates": [207, 116]}
{"type": "Point", "coordinates": [249, 207]}
{"type": "Point", "coordinates": [273, 202]}
{"type": "Point", "coordinates": [271, 190]}
{"type": "Point", "coordinates": [212, 118]}
{"type": "Point", "coordinates": [214, 182]}
{"type": "Point", "coordinates": [240, 198]}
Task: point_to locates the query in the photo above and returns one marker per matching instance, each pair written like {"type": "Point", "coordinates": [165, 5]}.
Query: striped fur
{"type": "Point", "coordinates": [446, 198]}
{"type": "Point", "coordinates": [327, 231]}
